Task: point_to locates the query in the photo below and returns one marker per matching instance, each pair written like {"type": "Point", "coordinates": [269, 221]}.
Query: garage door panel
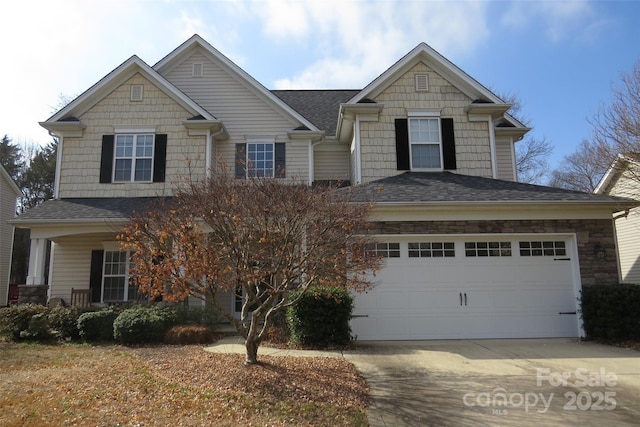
{"type": "Point", "coordinates": [507, 297]}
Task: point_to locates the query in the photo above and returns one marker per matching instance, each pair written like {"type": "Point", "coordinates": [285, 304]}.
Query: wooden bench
{"type": "Point", "coordinates": [80, 297]}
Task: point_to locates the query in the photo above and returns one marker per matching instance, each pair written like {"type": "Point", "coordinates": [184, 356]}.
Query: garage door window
{"type": "Point", "coordinates": [487, 249]}
{"type": "Point", "coordinates": [555, 248]}
{"type": "Point", "coordinates": [432, 250]}
{"type": "Point", "coordinates": [384, 250]}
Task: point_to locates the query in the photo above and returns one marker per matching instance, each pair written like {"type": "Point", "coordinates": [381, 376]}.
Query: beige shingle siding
{"type": "Point", "coordinates": [7, 212]}
{"type": "Point", "coordinates": [473, 151]}
{"type": "Point", "coordinates": [504, 159]}
{"type": "Point", "coordinates": [331, 161]}
{"type": "Point", "coordinates": [157, 110]}
{"type": "Point", "coordinates": [243, 111]}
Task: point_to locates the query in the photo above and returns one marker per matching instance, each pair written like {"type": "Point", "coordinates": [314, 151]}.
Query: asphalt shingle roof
{"type": "Point", "coordinates": [425, 187]}
{"type": "Point", "coordinates": [320, 107]}
{"type": "Point", "coordinates": [407, 188]}
{"type": "Point", "coordinates": [86, 209]}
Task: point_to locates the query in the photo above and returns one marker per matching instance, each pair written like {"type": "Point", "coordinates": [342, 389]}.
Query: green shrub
{"type": "Point", "coordinates": [63, 321]}
{"type": "Point", "coordinates": [15, 319]}
{"type": "Point", "coordinates": [97, 325]}
{"type": "Point", "coordinates": [38, 328]}
{"type": "Point", "coordinates": [611, 312]}
{"type": "Point", "coordinates": [188, 334]}
{"type": "Point", "coordinates": [142, 324]}
{"type": "Point", "coordinates": [321, 317]}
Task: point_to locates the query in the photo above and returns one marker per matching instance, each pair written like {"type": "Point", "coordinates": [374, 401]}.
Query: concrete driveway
{"type": "Point", "coordinates": [500, 382]}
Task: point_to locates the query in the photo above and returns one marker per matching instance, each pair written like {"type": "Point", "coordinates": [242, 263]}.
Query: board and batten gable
{"type": "Point", "coordinates": [245, 112]}
{"type": "Point", "coordinates": [378, 150]}
{"type": "Point", "coordinates": [184, 154]}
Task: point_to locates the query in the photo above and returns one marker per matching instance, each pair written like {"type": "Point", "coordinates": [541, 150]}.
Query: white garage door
{"type": "Point", "coordinates": [470, 287]}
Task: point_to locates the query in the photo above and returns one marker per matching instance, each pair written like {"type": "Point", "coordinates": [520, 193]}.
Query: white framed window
{"type": "Point", "coordinates": [425, 142]}
{"type": "Point", "coordinates": [133, 158]}
{"type": "Point", "coordinates": [548, 248]}
{"type": "Point", "coordinates": [432, 250]}
{"type": "Point", "coordinates": [487, 249]}
{"type": "Point", "coordinates": [260, 160]}
{"type": "Point", "coordinates": [384, 250]}
{"type": "Point", "coordinates": [115, 277]}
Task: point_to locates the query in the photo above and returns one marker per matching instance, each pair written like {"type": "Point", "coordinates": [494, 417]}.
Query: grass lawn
{"type": "Point", "coordinates": [76, 384]}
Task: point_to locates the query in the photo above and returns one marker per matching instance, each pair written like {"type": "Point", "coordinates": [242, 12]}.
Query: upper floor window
{"type": "Point", "coordinates": [425, 141]}
{"type": "Point", "coordinates": [260, 160]}
{"type": "Point", "coordinates": [133, 158]}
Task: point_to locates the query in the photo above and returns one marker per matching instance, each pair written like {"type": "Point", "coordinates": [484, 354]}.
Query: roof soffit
{"type": "Point", "coordinates": [182, 52]}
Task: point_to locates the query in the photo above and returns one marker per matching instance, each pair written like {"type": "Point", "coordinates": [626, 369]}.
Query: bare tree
{"type": "Point", "coordinates": [257, 238]}
{"type": "Point", "coordinates": [617, 127]}
{"type": "Point", "coordinates": [532, 153]}
{"type": "Point", "coordinates": [581, 170]}
{"type": "Point", "coordinates": [531, 159]}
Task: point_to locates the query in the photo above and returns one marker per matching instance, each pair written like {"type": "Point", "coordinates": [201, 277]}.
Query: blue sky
{"type": "Point", "coordinates": [560, 58]}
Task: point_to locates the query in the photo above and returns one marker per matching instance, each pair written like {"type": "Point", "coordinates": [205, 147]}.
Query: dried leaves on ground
{"type": "Point", "coordinates": [171, 385]}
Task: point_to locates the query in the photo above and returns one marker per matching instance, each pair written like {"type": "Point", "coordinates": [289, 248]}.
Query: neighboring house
{"type": "Point", "coordinates": [470, 252]}
{"type": "Point", "coordinates": [622, 179]}
{"type": "Point", "coordinates": [9, 192]}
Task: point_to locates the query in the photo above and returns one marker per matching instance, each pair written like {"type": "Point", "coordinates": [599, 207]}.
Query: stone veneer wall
{"type": "Point", "coordinates": [589, 232]}
{"type": "Point", "coordinates": [32, 294]}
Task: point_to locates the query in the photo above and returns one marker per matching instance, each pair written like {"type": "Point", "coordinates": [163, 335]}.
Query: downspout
{"type": "Point", "coordinates": [356, 136]}
{"type": "Point", "coordinates": [210, 138]}
{"type": "Point", "coordinates": [312, 170]}
{"type": "Point", "coordinates": [56, 181]}
{"type": "Point", "coordinates": [208, 150]}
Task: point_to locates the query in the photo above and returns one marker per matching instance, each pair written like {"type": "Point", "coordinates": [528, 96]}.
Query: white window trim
{"type": "Point", "coordinates": [125, 295]}
{"type": "Point", "coordinates": [260, 140]}
{"type": "Point", "coordinates": [425, 114]}
{"type": "Point", "coordinates": [133, 158]}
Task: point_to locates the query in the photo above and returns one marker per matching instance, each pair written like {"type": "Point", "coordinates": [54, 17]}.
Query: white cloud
{"type": "Point", "coordinates": [355, 41]}
{"type": "Point", "coordinates": [558, 21]}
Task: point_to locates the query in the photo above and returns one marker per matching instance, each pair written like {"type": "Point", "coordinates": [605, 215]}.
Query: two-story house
{"type": "Point", "coordinates": [470, 252]}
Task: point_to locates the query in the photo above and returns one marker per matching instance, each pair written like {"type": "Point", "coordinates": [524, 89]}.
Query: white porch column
{"type": "Point", "coordinates": [37, 260]}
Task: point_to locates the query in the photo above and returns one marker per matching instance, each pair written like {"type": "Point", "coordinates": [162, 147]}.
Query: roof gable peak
{"type": "Point", "coordinates": [181, 52]}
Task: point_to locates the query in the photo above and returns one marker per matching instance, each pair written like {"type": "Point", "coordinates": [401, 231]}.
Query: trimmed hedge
{"type": "Point", "coordinates": [320, 317]}
{"type": "Point", "coordinates": [97, 325]}
{"type": "Point", "coordinates": [611, 312]}
{"type": "Point", "coordinates": [142, 324]}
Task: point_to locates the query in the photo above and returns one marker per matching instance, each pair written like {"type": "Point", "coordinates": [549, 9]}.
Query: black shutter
{"type": "Point", "coordinates": [448, 144]}
{"type": "Point", "coordinates": [95, 275]}
{"type": "Point", "coordinates": [280, 160]}
{"type": "Point", "coordinates": [402, 144]}
{"type": "Point", "coordinates": [160, 158]}
{"type": "Point", "coordinates": [241, 160]}
{"type": "Point", "coordinates": [106, 159]}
